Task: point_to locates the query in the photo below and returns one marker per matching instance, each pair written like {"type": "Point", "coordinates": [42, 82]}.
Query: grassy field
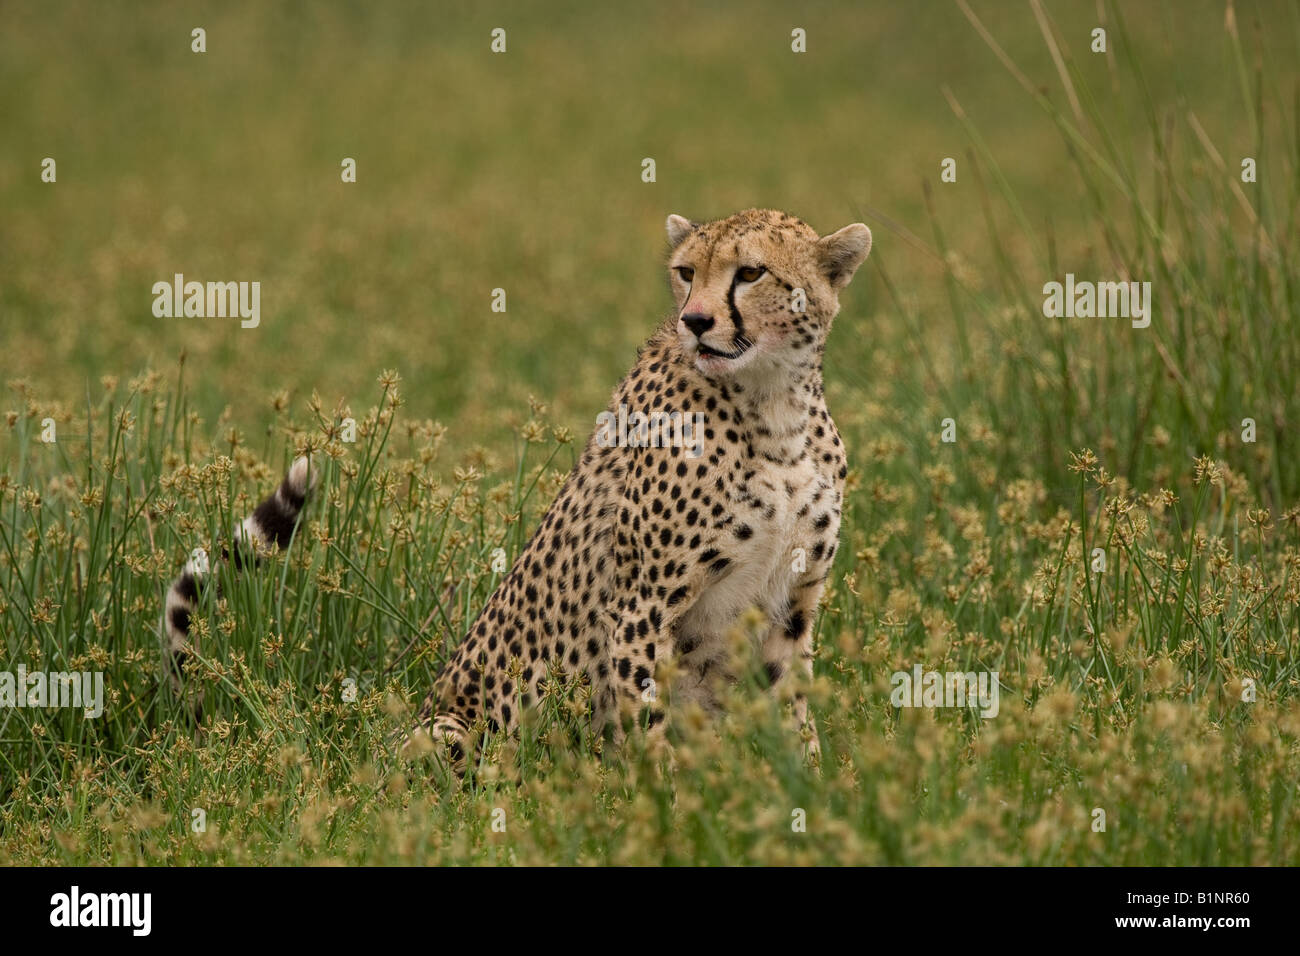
{"type": "Point", "coordinates": [1105, 532]}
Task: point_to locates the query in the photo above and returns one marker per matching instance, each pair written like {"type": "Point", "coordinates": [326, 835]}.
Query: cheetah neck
{"type": "Point", "coordinates": [779, 411]}
{"type": "Point", "coordinates": [777, 406]}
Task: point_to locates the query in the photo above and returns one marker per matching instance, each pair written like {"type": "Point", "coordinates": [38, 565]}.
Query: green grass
{"type": "Point", "coordinates": [1121, 688]}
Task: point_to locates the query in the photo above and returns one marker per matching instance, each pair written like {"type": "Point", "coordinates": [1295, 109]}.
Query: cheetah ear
{"type": "Point", "coordinates": [679, 228]}
{"type": "Point", "coordinates": [842, 252]}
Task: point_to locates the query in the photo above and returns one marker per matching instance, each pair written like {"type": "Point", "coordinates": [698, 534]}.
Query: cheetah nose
{"type": "Point", "coordinates": [698, 324]}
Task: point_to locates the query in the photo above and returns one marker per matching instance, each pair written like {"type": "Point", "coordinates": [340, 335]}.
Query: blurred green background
{"type": "Point", "coordinates": [476, 171]}
{"type": "Point", "coordinates": [520, 171]}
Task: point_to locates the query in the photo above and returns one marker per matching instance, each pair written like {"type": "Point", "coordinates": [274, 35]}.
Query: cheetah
{"type": "Point", "coordinates": [653, 552]}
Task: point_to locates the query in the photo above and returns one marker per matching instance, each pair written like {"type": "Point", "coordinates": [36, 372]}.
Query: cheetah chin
{"type": "Point", "coordinates": [710, 360]}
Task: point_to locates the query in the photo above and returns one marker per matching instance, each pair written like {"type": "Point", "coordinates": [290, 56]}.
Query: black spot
{"type": "Point", "coordinates": [275, 520]}
{"type": "Point", "coordinates": [187, 588]}
{"type": "Point", "coordinates": [290, 495]}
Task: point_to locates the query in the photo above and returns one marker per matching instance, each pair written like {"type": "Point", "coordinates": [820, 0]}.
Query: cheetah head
{"type": "Point", "coordinates": [756, 292]}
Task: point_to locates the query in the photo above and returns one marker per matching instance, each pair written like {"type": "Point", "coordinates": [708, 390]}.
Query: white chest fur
{"type": "Point", "coordinates": [764, 567]}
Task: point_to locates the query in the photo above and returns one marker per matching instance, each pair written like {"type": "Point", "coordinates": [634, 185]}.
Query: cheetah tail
{"type": "Point", "coordinates": [271, 523]}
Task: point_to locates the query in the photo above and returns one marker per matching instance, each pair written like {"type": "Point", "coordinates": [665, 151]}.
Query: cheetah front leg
{"type": "Point", "coordinates": [640, 635]}
{"type": "Point", "coordinates": [788, 647]}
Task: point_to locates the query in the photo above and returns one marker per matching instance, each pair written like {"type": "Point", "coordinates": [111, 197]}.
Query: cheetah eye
{"type": "Point", "coordinates": [750, 273]}
{"type": "Point", "coordinates": [686, 273]}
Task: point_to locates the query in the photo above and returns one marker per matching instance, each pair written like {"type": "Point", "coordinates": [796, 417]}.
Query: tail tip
{"type": "Point", "coordinates": [302, 477]}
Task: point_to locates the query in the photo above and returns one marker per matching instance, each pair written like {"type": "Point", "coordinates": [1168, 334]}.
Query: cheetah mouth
{"type": "Point", "coordinates": [706, 351]}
